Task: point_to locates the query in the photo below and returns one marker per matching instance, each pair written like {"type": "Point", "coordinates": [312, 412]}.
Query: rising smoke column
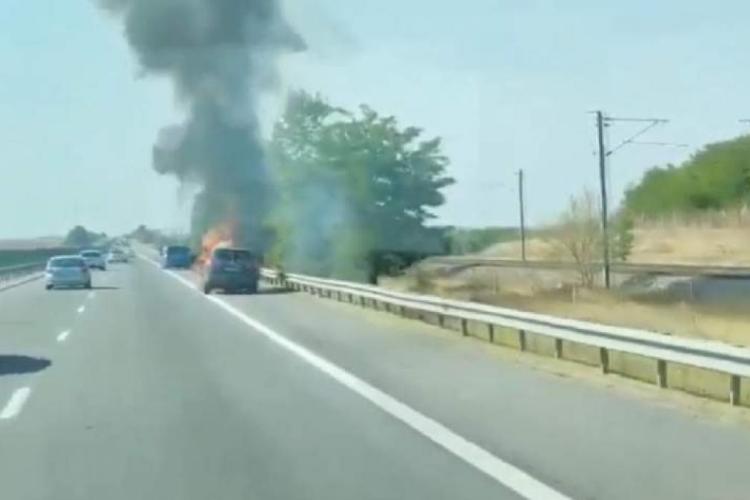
{"type": "Point", "coordinates": [219, 54]}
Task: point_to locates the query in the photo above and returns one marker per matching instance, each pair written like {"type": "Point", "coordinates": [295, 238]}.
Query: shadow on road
{"type": "Point", "coordinates": [16, 365]}
{"type": "Point", "coordinates": [79, 289]}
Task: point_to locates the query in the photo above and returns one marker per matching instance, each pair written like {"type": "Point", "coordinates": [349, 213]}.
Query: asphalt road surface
{"type": "Point", "coordinates": [145, 389]}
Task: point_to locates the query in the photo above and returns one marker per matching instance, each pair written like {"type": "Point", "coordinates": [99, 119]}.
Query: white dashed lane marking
{"type": "Point", "coordinates": [15, 403]}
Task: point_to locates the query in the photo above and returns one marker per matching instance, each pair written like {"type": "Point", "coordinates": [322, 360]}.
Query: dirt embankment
{"type": "Point", "coordinates": [696, 307]}
{"type": "Point", "coordinates": [723, 243]}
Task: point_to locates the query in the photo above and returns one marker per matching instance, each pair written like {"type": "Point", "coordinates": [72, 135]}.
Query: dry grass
{"type": "Point", "coordinates": [722, 239]}
{"type": "Point", "coordinates": [548, 293]}
{"type": "Point", "coordinates": [697, 245]}
{"type": "Point", "coordinates": [717, 238]}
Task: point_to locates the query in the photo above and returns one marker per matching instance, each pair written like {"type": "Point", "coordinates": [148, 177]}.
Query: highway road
{"type": "Point", "coordinates": [145, 389]}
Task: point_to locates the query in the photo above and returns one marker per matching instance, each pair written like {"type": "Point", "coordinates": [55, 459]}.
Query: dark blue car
{"type": "Point", "coordinates": [176, 256]}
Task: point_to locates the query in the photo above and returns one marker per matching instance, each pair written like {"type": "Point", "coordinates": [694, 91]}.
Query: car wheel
{"type": "Point", "coordinates": [48, 287]}
{"type": "Point", "coordinates": [207, 289]}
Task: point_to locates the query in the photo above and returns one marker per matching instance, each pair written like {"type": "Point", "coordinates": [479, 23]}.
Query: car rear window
{"type": "Point", "coordinates": [91, 253]}
{"type": "Point", "coordinates": [67, 262]}
{"type": "Point", "coordinates": [178, 251]}
{"type": "Point", "coordinates": [229, 255]}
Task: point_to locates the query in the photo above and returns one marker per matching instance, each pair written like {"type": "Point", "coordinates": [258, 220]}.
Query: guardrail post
{"type": "Point", "coordinates": [734, 390]}
{"type": "Point", "coordinates": [491, 332]}
{"type": "Point", "coordinates": [558, 348]}
{"type": "Point", "coordinates": [604, 359]}
{"type": "Point", "coordinates": [464, 327]}
{"type": "Point", "coordinates": [661, 373]}
{"type": "Point", "coordinates": [522, 339]}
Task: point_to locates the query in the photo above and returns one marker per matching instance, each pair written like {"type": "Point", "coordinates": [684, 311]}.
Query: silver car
{"type": "Point", "coordinates": [67, 271]}
{"type": "Point", "coordinates": [94, 259]}
{"type": "Point", "coordinates": [117, 255]}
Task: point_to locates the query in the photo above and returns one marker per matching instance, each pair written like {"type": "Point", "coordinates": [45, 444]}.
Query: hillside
{"type": "Point", "coordinates": [656, 243]}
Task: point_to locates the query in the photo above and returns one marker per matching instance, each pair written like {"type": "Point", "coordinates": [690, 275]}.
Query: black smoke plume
{"type": "Point", "coordinates": [219, 54]}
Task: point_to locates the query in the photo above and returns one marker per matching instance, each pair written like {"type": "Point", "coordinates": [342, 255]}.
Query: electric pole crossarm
{"type": "Point", "coordinates": [632, 138]}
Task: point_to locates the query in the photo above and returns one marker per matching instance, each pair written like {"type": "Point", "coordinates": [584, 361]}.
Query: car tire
{"type": "Point", "coordinates": [48, 287]}
{"type": "Point", "coordinates": [207, 289]}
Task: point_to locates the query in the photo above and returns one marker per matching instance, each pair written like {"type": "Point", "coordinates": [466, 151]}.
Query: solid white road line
{"type": "Point", "coordinates": [63, 336]}
{"type": "Point", "coordinates": [15, 403]}
{"type": "Point", "coordinates": [81, 309]}
{"type": "Point", "coordinates": [471, 453]}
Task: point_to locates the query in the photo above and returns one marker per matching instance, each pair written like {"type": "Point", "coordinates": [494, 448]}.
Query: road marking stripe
{"type": "Point", "coordinates": [81, 309]}
{"type": "Point", "coordinates": [63, 336]}
{"type": "Point", "coordinates": [471, 453]}
{"type": "Point", "coordinates": [15, 403]}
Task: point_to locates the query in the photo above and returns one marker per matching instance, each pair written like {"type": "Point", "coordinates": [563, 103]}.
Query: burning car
{"type": "Point", "coordinates": [232, 270]}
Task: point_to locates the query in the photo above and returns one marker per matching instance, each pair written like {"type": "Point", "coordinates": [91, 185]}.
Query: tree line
{"type": "Point", "coordinates": [715, 178]}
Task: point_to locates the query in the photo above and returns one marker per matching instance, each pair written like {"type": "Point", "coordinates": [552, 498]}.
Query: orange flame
{"type": "Point", "coordinates": [219, 236]}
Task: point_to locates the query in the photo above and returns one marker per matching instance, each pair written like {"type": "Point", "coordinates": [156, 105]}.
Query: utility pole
{"type": "Point", "coordinates": [603, 181]}
{"type": "Point", "coordinates": [521, 212]}
{"type": "Point", "coordinates": [601, 122]}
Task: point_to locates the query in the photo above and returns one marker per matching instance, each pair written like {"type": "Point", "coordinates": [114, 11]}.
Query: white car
{"type": "Point", "coordinates": [94, 259]}
{"type": "Point", "coordinates": [67, 270]}
{"type": "Point", "coordinates": [117, 255]}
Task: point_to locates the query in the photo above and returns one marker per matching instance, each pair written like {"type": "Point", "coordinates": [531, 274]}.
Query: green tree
{"type": "Point", "coordinates": [717, 177]}
{"type": "Point", "coordinates": [352, 186]}
{"type": "Point", "coordinates": [623, 240]}
{"type": "Point", "coordinates": [79, 237]}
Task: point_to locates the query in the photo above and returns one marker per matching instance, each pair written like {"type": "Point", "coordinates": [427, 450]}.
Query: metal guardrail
{"type": "Point", "coordinates": [737, 272]}
{"type": "Point", "coordinates": [13, 273]}
{"type": "Point", "coordinates": [709, 355]}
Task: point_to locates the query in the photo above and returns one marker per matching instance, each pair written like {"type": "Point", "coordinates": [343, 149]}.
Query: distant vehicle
{"type": "Point", "coordinates": [68, 271]}
{"type": "Point", "coordinates": [117, 255]}
{"type": "Point", "coordinates": [176, 256]}
{"type": "Point", "coordinates": [231, 270]}
{"type": "Point", "coordinates": [94, 259]}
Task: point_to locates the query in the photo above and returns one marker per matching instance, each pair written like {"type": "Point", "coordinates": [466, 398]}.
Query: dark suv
{"type": "Point", "coordinates": [176, 256]}
{"type": "Point", "coordinates": [231, 270]}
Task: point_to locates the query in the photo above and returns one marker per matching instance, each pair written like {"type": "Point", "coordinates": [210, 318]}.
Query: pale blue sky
{"type": "Point", "coordinates": [507, 83]}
